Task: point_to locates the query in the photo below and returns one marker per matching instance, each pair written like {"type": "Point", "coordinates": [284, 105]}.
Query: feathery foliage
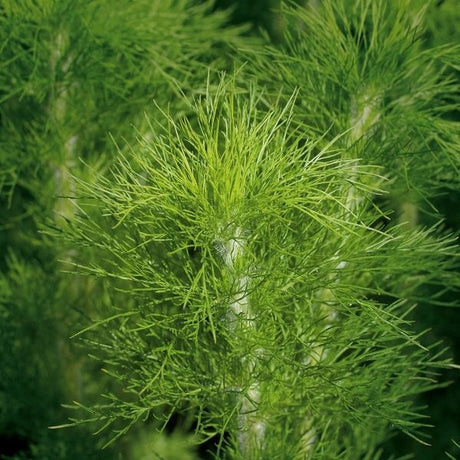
{"type": "Point", "coordinates": [245, 264]}
{"type": "Point", "coordinates": [71, 72]}
{"type": "Point", "coordinates": [361, 68]}
{"type": "Point", "coordinates": [262, 299]}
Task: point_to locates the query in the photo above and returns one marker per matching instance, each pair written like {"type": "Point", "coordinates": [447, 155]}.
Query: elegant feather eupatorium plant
{"type": "Point", "coordinates": [252, 252]}
{"type": "Point", "coordinates": [265, 296]}
{"type": "Point", "coordinates": [263, 251]}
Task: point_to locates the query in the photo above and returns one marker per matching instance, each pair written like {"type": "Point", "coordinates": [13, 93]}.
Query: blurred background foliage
{"type": "Point", "coordinates": [40, 369]}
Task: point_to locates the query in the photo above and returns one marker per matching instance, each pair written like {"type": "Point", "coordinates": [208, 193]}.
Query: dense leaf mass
{"type": "Point", "coordinates": [239, 231]}
{"type": "Point", "coordinates": [250, 266]}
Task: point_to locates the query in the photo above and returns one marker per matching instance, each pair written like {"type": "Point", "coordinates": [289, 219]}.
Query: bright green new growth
{"type": "Point", "coordinates": [261, 300]}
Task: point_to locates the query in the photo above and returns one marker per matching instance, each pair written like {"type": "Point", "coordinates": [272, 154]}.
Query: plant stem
{"type": "Point", "coordinates": [65, 206]}
{"type": "Point", "coordinates": [364, 115]}
{"type": "Point", "coordinates": [64, 185]}
{"type": "Point", "coordinates": [251, 429]}
{"type": "Point", "coordinates": [408, 213]}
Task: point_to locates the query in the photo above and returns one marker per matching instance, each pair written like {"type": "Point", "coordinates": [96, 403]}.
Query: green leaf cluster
{"type": "Point", "coordinates": [362, 68]}
{"type": "Point", "coordinates": [248, 265]}
{"type": "Point", "coordinates": [244, 263]}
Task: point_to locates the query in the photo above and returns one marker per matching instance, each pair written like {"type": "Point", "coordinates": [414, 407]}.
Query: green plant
{"type": "Point", "coordinates": [266, 298]}
{"type": "Point", "coordinates": [253, 252]}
